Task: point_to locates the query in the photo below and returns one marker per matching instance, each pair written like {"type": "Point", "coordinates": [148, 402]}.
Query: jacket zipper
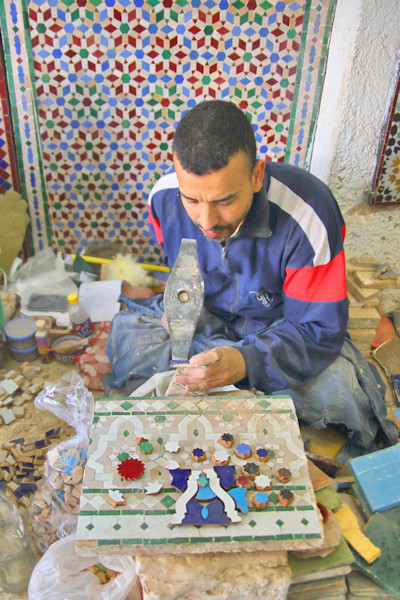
{"type": "Point", "coordinates": [225, 258]}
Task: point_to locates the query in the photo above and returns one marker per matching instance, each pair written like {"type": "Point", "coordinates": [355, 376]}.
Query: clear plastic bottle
{"type": "Point", "coordinates": [17, 559]}
{"type": "Point", "coordinates": [42, 337]}
{"type": "Point", "coordinates": [79, 316]}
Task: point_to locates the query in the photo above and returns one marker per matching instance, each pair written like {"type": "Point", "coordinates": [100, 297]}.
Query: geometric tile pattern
{"type": "Point", "coordinates": [144, 524]}
{"type": "Point", "coordinates": [112, 79]}
{"type": "Point", "coordinates": [387, 179]}
{"type": "Point", "coordinates": [21, 85]}
{"type": "Point", "coordinates": [8, 173]}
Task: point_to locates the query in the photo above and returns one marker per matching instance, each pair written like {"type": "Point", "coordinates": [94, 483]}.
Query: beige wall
{"type": "Point", "coordinates": [358, 89]}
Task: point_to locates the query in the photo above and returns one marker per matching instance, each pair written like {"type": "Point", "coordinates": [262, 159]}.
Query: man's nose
{"type": "Point", "coordinates": [208, 216]}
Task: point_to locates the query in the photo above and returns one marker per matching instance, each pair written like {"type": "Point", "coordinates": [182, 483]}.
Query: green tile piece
{"type": "Point", "coordinates": [123, 456]}
{"type": "Point", "coordinates": [328, 497]}
{"type": "Point", "coordinates": [341, 556]}
{"type": "Point", "coordinates": [383, 529]}
{"type": "Point", "coordinates": [126, 405]}
{"type": "Point", "coordinates": [264, 403]}
{"type": "Point", "coordinates": [167, 501]}
{"type": "Point", "coordinates": [173, 404]}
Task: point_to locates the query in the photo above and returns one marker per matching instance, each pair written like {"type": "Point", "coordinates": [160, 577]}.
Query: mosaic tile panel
{"type": "Point", "coordinates": [143, 525]}
{"type": "Point", "coordinates": [8, 174]}
{"type": "Point", "coordinates": [113, 77]}
{"type": "Point", "coordinates": [387, 180]}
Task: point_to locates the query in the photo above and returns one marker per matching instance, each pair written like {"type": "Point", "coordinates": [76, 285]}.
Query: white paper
{"type": "Point", "coordinates": [100, 298]}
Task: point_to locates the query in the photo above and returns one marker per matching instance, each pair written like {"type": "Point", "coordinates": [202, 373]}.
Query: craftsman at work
{"type": "Point", "coordinates": [270, 249]}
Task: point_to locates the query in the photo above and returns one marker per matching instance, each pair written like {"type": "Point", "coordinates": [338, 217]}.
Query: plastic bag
{"type": "Point", "coordinates": [43, 273]}
{"type": "Point", "coordinates": [54, 508]}
{"type": "Point", "coordinates": [60, 574]}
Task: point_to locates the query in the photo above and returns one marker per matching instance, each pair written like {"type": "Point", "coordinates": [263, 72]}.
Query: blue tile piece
{"type": "Point", "coordinates": [179, 478]}
{"type": "Point", "coordinates": [226, 475]}
{"type": "Point", "coordinates": [239, 496]}
{"type": "Point", "coordinates": [214, 514]}
{"type": "Point", "coordinates": [378, 476]}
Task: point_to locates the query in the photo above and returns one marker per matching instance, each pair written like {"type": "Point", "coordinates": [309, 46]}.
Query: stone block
{"type": "Point", "coordinates": [361, 294]}
{"type": "Point", "coordinates": [365, 280]}
{"type": "Point", "coordinates": [221, 576]}
{"type": "Point", "coordinates": [363, 318]}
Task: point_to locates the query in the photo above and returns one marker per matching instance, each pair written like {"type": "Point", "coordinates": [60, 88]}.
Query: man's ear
{"type": "Point", "coordinates": [258, 175]}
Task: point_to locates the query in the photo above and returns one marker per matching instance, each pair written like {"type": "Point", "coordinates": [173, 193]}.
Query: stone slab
{"type": "Point", "coordinates": [363, 295]}
{"type": "Point", "coordinates": [365, 280]}
{"type": "Point", "coordinates": [255, 575]}
{"type": "Point", "coordinates": [363, 318]}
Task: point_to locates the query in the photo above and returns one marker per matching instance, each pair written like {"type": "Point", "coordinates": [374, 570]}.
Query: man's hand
{"type": "Point", "coordinates": [212, 368]}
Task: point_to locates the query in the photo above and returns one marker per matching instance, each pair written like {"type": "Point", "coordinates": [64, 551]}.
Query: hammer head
{"type": "Point", "coordinates": [183, 300]}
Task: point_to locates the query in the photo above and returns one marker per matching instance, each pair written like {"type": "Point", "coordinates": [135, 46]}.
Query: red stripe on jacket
{"type": "Point", "coordinates": [324, 283]}
{"type": "Point", "coordinates": [156, 226]}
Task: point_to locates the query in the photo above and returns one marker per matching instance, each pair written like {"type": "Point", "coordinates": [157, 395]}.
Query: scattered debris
{"type": "Point", "coordinates": [21, 464]}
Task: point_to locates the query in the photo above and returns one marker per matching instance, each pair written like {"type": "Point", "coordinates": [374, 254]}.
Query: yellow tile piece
{"type": "Point", "coordinates": [354, 536]}
{"type": "Point", "coordinates": [327, 442]}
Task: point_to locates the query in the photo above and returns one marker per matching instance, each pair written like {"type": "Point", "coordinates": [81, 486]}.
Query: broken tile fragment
{"type": "Point", "coordinates": [115, 498]}
{"type": "Point", "coordinates": [171, 446]}
{"type": "Point", "coordinates": [153, 487]}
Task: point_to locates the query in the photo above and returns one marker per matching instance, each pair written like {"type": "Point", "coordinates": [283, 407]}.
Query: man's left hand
{"type": "Point", "coordinates": [213, 368]}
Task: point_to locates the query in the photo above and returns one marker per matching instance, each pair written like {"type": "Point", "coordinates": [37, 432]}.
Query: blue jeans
{"type": "Point", "coordinates": [347, 393]}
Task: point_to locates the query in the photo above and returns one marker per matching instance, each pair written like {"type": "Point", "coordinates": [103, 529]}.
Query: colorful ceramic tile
{"type": "Point", "coordinates": [387, 178]}
{"type": "Point", "coordinates": [196, 498]}
{"type": "Point", "coordinates": [25, 113]}
{"type": "Point", "coordinates": [378, 476]}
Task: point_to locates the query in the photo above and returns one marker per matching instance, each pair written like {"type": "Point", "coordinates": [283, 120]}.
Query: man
{"type": "Point", "coordinates": [270, 247]}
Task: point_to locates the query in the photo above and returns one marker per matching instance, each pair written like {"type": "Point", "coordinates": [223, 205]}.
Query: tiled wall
{"type": "Point", "coordinates": [387, 179]}
{"type": "Point", "coordinates": [105, 83]}
{"type": "Point", "coordinates": [8, 171]}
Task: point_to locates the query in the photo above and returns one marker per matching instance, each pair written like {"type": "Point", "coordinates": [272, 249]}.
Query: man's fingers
{"type": "Point", "coordinates": [206, 358]}
{"type": "Point", "coordinates": [200, 383]}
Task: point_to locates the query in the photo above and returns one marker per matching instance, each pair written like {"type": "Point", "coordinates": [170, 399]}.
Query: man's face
{"type": "Point", "coordinates": [218, 202]}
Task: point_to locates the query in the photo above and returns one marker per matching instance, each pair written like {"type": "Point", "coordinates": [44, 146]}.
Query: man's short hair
{"type": "Point", "coordinates": [210, 134]}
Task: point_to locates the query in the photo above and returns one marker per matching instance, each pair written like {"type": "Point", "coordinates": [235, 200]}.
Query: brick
{"type": "Point", "coordinates": [363, 295]}
{"type": "Point", "coordinates": [9, 386]}
{"type": "Point", "coordinates": [7, 415]}
{"type": "Point", "coordinates": [363, 318]}
{"type": "Point", "coordinates": [24, 385]}
{"type": "Point", "coordinates": [19, 411]}
{"type": "Point", "coordinates": [364, 261]}
{"type": "Point", "coordinates": [366, 280]}
{"type": "Point", "coordinates": [19, 400]}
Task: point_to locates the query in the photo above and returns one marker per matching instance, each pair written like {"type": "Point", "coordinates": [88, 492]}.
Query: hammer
{"type": "Point", "coordinates": [183, 301]}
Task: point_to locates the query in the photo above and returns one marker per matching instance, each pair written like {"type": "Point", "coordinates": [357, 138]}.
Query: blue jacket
{"type": "Point", "coordinates": [279, 283]}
